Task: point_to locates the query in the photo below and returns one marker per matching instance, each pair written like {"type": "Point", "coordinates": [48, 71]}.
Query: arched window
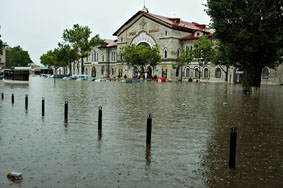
{"type": "Point", "coordinates": [93, 72]}
{"type": "Point", "coordinates": [187, 72]}
{"type": "Point", "coordinates": [265, 73]}
{"type": "Point", "coordinates": [196, 73]}
{"type": "Point", "coordinates": [178, 52]}
{"type": "Point", "coordinates": [205, 72]}
{"type": "Point", "coordinates": [218, 73]}
{"type": "Point", "coordinates": [165, 53]}
{"type": "Point", "coordinates": [102, 70]}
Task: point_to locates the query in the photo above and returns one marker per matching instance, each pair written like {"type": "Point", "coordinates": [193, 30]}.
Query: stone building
{"type": "Point", "coordinates": [172, 36]}
{"type": "Point", "coordinates": [3, 56]}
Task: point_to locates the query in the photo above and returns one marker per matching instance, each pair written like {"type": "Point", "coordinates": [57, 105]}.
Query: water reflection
{"type": "Point", "coordinates": [148, 154]}
{"type": "Point", "coordinates": [191, 135]}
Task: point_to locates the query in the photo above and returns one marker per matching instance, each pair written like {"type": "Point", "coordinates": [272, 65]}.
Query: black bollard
{"type": "Point", "coordinates": [233, 142]}
{"type": "Point", "coordinates": [66, 111]}
{"type": "Point", "coordinates": [2, 96]}
{"type": "Point", "coordinates": [148, 129]}
{"type": "Point", "coordinates": [26, 102]}
{"type": "Point", "coordinates": [12, 98]}
{"type": "Point", "coordinates": [100, 118]}
{"type": "Point", "coordinates": [43, 106]}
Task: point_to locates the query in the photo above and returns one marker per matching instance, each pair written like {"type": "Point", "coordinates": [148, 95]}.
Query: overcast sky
{"type": "Point", "coordinates": [37, 25]}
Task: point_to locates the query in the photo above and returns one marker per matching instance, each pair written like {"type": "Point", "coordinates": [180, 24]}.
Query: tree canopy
{"type": "Point", "coordinates": [79, 39]}
{"type": "Point", "coordinates": [202, 50]}
{"type": "Point", "coordinates": [252, 33]}
{"type": "Point", "coordinates": [52, 59]}
{"type": "Point", "coordinates": [185, 58]}
{"type": "Point", "coordinates": [220, 57]}
{"type": "Point", "coordinates": [141, 55]}
{"type": "Point", "coordinates": [17, 57]}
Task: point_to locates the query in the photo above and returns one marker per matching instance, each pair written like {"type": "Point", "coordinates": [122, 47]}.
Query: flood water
{"type": "Point", "coordinates": [190, 135]}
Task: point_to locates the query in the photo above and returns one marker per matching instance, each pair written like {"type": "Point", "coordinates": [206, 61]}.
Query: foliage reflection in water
{"type": "Point", "coordinates": [190, 135]}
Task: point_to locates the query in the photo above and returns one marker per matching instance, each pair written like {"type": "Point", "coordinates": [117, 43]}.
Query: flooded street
{"type": "Point", "coordinates": [190, 135]}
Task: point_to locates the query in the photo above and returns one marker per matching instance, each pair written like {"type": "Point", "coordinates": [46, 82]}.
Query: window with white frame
{"type": "Point", "coordinates": [218, 73]}
{"type": "Point", "coordinates": [265, 73]}
{"type": "Point", "coordinates": [205, 72]}
{"type": "Point", "coordinates": [188, 72]}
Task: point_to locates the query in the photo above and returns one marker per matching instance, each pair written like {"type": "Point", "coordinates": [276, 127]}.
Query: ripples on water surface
{"type": "Point", "coordinates": [190, 138]}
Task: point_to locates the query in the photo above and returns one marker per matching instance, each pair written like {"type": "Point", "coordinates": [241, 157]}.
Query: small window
{"type": "Point", "coordinates": [205, 72]}
{"type": "Point", "coordinates": [165, 53]}
{"type": "Point", "coordinates": [187, 72]}
{"type": "Point", "coordinates": [218, 73]}
{"type": "Point", "coordinates": [166, 33]}
{"type": "Point", "coordinates": [121, 39]}
{"type": "Point", "coordinates": [102, 57]}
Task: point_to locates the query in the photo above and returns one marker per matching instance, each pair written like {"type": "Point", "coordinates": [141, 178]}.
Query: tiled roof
{"type": "Point", "coordinates": [108, 44]}
{"type": "Point", "coordinates": [193, 37]}
{"type": "Point", "coordinates": [173, 23]}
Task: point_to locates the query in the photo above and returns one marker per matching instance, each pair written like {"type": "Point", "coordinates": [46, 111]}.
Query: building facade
{"type": "Point", "coordinates": [172, 36]}
{"type": "Point", "coordinates": [3, 56]}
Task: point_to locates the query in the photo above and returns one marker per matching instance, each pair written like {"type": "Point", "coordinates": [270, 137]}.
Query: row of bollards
{"type": "Point", "coordinates": [233, 132]}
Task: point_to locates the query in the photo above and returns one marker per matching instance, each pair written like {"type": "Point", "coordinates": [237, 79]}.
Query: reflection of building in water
{"type": "Point", "coordinates": [172, 36]}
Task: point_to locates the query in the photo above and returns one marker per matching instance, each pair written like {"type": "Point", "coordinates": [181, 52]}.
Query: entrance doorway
{"type": "Point", "coordinates": [164, 71]}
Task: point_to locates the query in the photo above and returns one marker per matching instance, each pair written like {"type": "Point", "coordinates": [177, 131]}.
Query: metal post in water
{"type": "Point", "coordinates": [26, 102]}
{"type": "Point", "coordinates": [12, 98]}
{"type": "Point", "coordinates": [148, 129]}
{"type": "Point", "coordinates": [100, 118]}
{"type": "Point", "coordinates": [43, 106]}
{"type": "Point", "coordinates": [233, 142]}
{"type": "Point", "coordinates": [2, 96]}
{"type": "Point", "coordinates": [66, 111]}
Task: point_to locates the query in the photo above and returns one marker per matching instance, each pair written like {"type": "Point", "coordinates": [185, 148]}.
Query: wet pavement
{"type": "Point", "coordinates": [190, 135]}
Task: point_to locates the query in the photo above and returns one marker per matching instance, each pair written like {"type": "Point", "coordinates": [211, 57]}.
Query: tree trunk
{"type": "Point", "coordinates": [70, 67]}
{"type": "Point", "coordinates": [226, 73]}
{"type": "Point", "coordinates": [181, 73]}
{"type": "Point", "coordinates": [251, 78]}
{"type": "Point", "coordinates": [82, 66]}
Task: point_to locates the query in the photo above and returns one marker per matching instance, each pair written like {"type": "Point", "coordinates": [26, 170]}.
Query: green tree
{"type": "Point", "coordinates": [17, 57]}
{"type": "Point", "coordinates": [79, 38]}
{"type": "Point", "coordinates": [185, 58]}
{"type": "Point", "coordinates": [252, 33]}
{"type": "Point", "coordinates": [51, 59]}
{"type": "Point", "coordinates": [67, 54]}
{"type": "Point", "coordinates": [220, 57]}
{"type": "Point", "coordinates": [203, 51]}
{"type": "Point", "coordinates": [141, 55]}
